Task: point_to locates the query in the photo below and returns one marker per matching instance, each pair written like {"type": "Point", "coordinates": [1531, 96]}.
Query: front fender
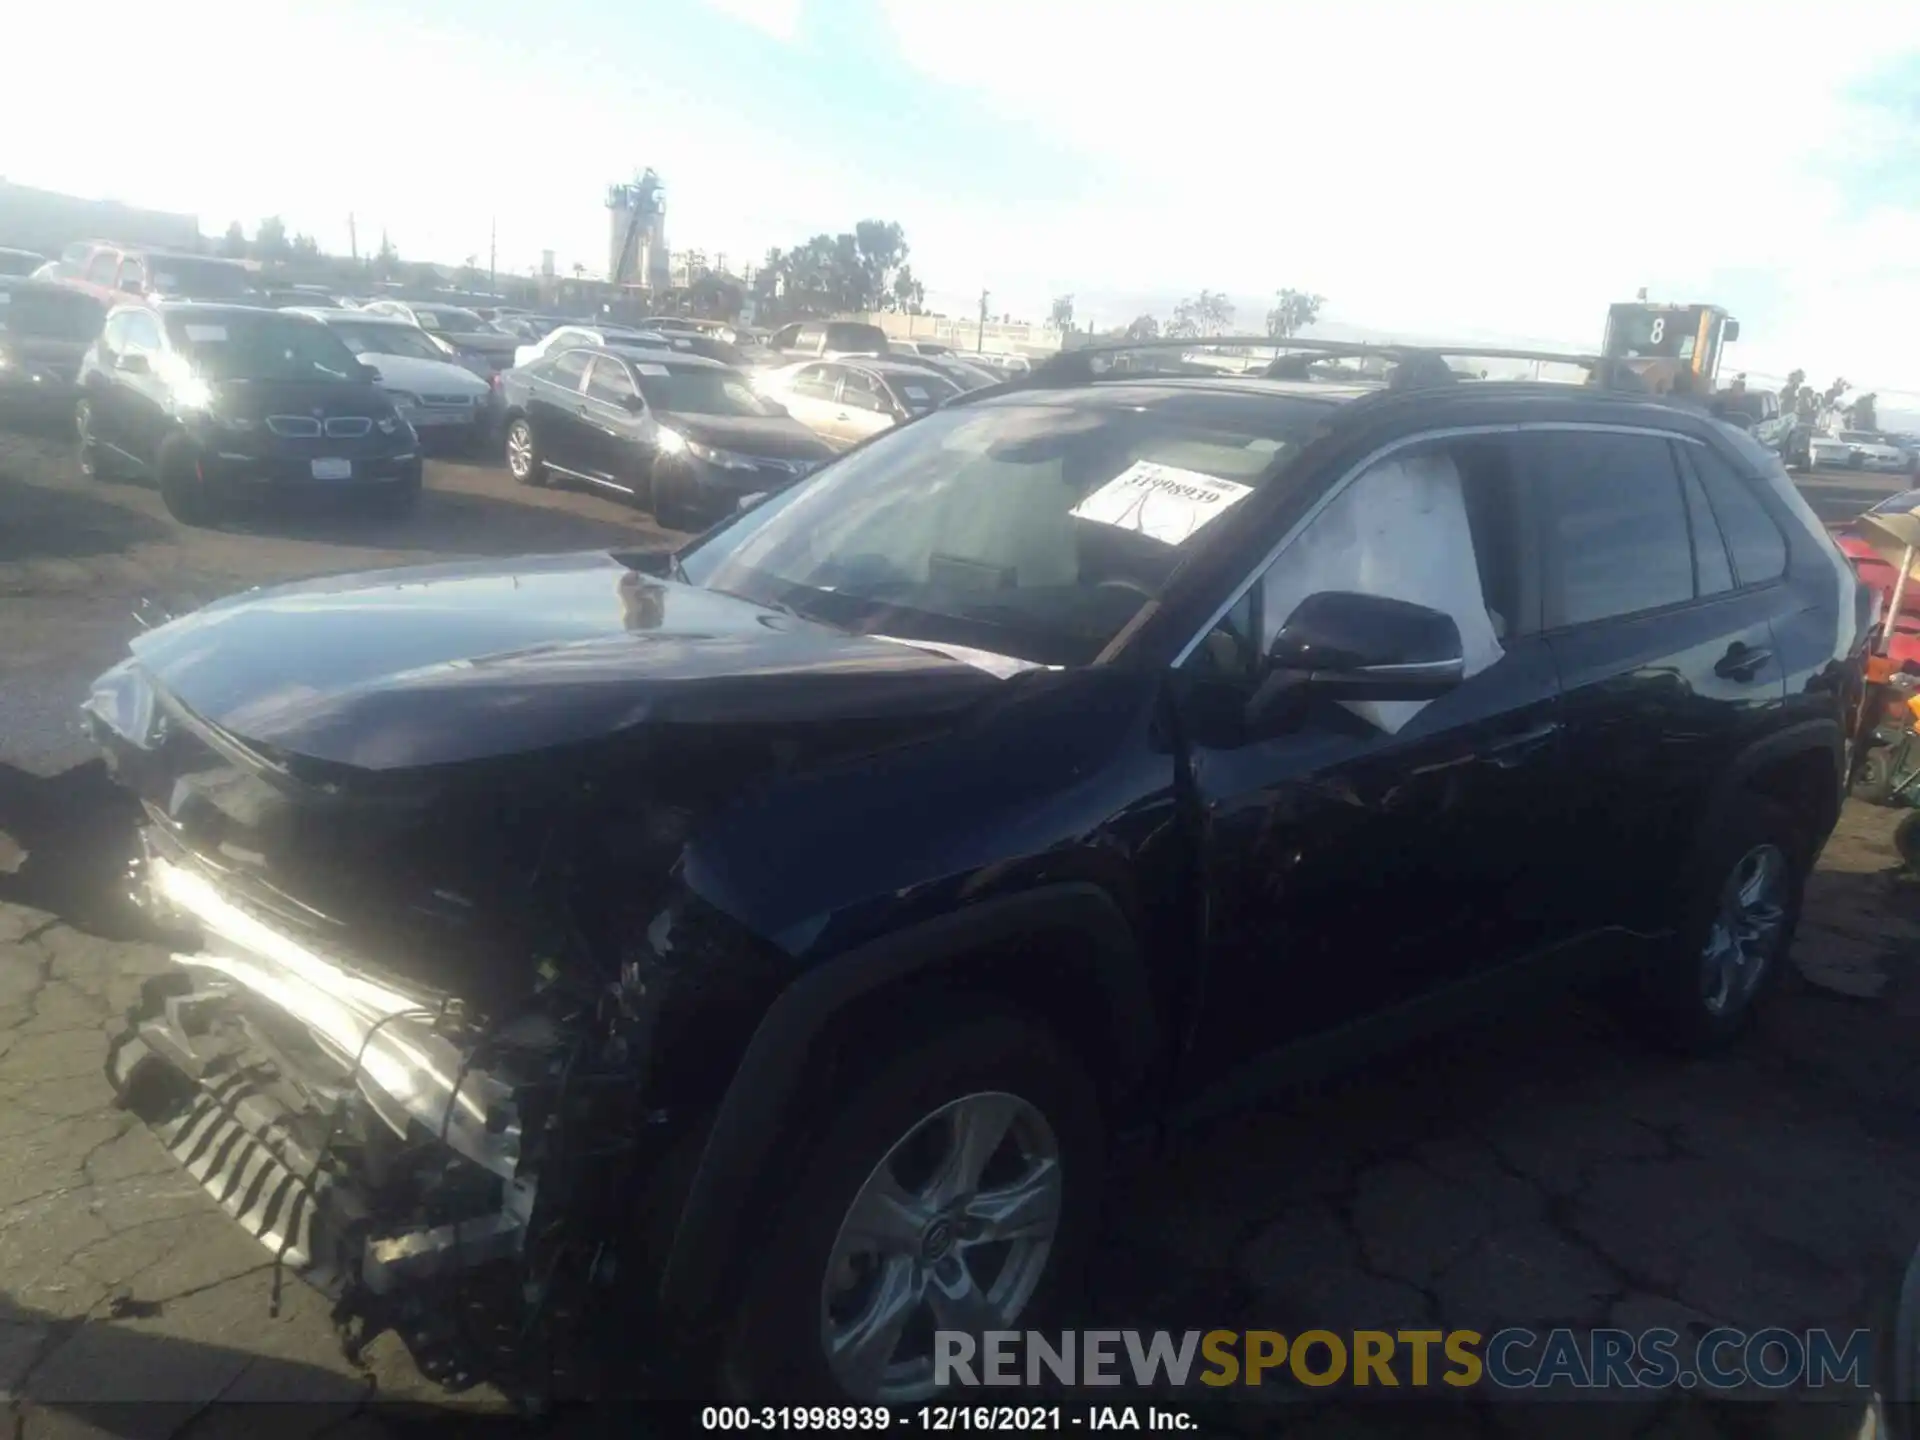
{"type": "Point", "coordinates": [753, 1115]}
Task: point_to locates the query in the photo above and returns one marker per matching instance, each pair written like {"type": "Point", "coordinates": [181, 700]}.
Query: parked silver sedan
{"type": "Point", "coordinates": [847, 401]}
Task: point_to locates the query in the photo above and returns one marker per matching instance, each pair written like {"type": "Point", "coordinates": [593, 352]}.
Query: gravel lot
{"type": "Point", "coordinates": [1539, 1170]}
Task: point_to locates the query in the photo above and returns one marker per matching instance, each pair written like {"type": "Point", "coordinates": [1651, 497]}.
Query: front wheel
{"type": "Point", "coordinates": [92, 455]}
{"type": "Point", "coordinates": [523, 453]}
{"type": "Point", "coordinates": [183, 485]}
{"type": "Point", "coordinates": [955, 1191]}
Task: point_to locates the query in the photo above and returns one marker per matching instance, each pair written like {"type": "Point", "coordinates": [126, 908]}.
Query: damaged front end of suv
{"type": "Point", "coordinates": [446, 1020]}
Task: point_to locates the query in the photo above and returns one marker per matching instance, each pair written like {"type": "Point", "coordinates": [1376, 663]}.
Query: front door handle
{"type": "Point", "coordinates": [1516, 750]}
{"type": "Point", "coordinates": [1742, 661]}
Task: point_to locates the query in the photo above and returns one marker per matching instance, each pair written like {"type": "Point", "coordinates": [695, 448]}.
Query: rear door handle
{"type": "Point", "coordinates": [1742, 661]}
{"type": "Point", "coordinates": [1516, 750]}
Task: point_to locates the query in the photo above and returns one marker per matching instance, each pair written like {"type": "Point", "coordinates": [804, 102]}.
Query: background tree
{"type": "Point", "coordinates": [1293, 311]}
{"type": "Point", "coordinates": [305, 247]}
{"type": "Point", "coordinates": [387, 260]}
{"type": "Point", "coordinates": [909, 294]}
{"type": "Point", "coordinates": [423, 276]}
{"type": "Point", "coordinates": [470, 276]}
{"type": "Point", "coordinates": [1208, 313]}
{"type": "Point", "coordinates": [880, 253]}
{"type": "Point", "coordinates": [1143, 327]}
{"type": "Point", "coordinates": [1062, 316]}
{"type": "Point", "coordinates": [233, 244]}
{"type": "Point", "coordinates": [1790, 392]}
{"type": "Point", "coordinates": [270, 240]}
{"type": "Point", "coordinates": [1864, 412]}
{"type": "Point", "coordinates": [1833, 393]}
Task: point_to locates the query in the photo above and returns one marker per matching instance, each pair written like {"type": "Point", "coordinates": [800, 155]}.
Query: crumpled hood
{"type": "Point", "coordinates": [449, 663]}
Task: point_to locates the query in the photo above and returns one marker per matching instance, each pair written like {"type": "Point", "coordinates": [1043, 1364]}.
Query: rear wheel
{"type": "Point", "coordinates": [523, 453]}
{"type": "Point", "coordinates": [183, 486]}
{"type": "Point", "coordinates": [1736, 927]}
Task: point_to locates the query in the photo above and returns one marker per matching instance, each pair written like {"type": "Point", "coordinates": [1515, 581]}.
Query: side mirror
{"type": "Point", "coordinates": [1730, 332]}
{"type": "Point", "coordinates": [133, 365]}
{"type": "Point", "coordinates": [1342, 645]}
{"type": "Point", "coordinates": [367, 373]}
{"type": "Point", "coordinates": [633, 404]}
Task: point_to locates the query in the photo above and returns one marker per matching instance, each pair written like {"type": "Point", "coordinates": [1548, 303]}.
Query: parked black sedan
{"type": "Point", "coordinates": [685, 436]}
{"type": "Point", "coordinates": [214, 402]}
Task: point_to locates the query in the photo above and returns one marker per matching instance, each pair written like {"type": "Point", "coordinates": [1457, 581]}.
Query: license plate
{"type": "Point", "coordinates": [333, 469]}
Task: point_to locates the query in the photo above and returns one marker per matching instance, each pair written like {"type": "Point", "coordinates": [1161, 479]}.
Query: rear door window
{"type": "Point", "coordinates": [1758, 548]}
{"type": "Point", "coordinates": [817, 382]}
{"type": "Point", "coordinates": [103, 267]}
{"type": "Point", "coordinates": [569, 368]}
{"type": "Point", "coordinates": [1616, 523]}
{"type": "Point", "coordinates": [1713, 575]}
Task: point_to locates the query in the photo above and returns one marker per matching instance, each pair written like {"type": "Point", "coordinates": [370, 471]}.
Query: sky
{"type": "Point", "coordinates": [1482, 170]}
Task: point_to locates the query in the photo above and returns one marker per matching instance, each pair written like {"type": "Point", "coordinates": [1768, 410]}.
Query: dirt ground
{"type": "Point", "coordinates": [1539, 1170]}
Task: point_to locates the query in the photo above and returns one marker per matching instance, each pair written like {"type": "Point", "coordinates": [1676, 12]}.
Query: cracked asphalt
{"type": "Point", "coordinates": [1538, 1169]}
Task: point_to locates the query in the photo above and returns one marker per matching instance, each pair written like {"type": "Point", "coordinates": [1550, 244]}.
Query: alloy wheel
{"type": "Point", "coordinates": [951, 1231]}
{"type": "Point", "coordinates": [1746, 930]}
{"type": "Point", "coordinates": [520, 450]}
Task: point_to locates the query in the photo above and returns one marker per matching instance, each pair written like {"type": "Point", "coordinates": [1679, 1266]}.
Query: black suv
{"type": "Point", "coordinates": [216, 403]}
{"type": "Point", "coordinates": [753, 953]}
{"type": "Point", "coordinates": [45, 329]}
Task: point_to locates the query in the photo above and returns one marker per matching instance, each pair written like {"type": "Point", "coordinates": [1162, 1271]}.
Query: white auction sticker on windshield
{"type": "Point", "coordinates": [204, 334]}
{"type": "Point", "coordinates": [651, 369]}
{"type": "Point", "coordinates": [1161, 501]}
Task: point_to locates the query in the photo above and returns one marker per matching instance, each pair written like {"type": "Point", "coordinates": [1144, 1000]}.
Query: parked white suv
{"type": "Point", "coordinates": [572, 337]}
{"type": "Point", "coordinates": [437, 395]}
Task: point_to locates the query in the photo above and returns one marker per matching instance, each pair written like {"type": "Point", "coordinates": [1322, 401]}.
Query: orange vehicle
{"type": "Point", "coordinates": [1670, 347]}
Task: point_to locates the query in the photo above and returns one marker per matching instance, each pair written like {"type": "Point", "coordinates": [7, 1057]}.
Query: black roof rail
{"type": "Point", "coordinates": [1416, 366]}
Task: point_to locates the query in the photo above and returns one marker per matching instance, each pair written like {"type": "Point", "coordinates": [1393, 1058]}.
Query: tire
{"type": "Point", "coordinates": [1875, 784]}
{"type": "Point", "coordinates": [399, 502]}
{"type": "Point", "coordinates": [1906, 839]}
{"type": "Point", "coordinates": [1680, 990]}
{"type": "Point", "coordinates": [523, 452]}
{"type": "Point", "coordinates": [181, 486]}
{"type": "Point", "coordinates": [94, 463]}
{"type": "Point", "coordinates": [983, 1068]}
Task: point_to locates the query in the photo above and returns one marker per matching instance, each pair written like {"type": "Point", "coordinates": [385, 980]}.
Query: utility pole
{"type": "Point", "coordinates": [493, 254]}
{"type": "Point", "coordinates": [353, 239]}
{"type": "Point", "coordinates": [980, 339]}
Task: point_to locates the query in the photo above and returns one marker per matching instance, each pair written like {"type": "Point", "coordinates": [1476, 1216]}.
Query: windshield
{"type": "Point", "coordinates": [448, 317]}
{"type": "Point", "coordinates": [1034, 529]}
{"type": "Point", "coordinates": [689, 391]}
{"type": "Point", "coordinates": [266, 345]}
{"type": "Point", "coordinates": [401, 340]}
{"type": "Point", "coordinates": [50, 314]}
{"type": "Point", "coordinates": [20, 262]}
{"type": "Point", "coordinates": [199, 279]}
{"type": "Point", "coordinates": [1860, 437]}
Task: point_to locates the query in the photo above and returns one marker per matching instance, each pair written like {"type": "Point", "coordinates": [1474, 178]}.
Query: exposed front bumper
{"type": "Point", "coordinates": [337, 1120]}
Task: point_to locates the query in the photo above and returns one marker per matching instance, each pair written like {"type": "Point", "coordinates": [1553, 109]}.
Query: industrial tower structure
{"type": "Point", "coordinates": [637, 233]}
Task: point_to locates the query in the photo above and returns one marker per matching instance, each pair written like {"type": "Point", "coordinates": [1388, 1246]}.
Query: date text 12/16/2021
{"type": "Point", "coordinates": [942, 1419]}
